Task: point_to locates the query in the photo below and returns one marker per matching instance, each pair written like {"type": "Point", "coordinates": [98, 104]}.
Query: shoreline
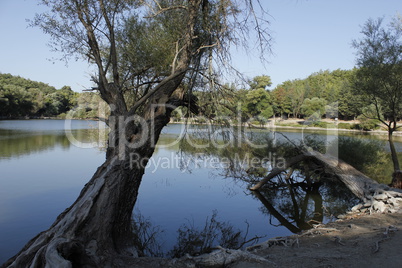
{"type": "Point", "coordinates": [249, 126]}
{"type": "Point", "coordinates": [306, 127]}
{"type": "Point", "coordinates": [361, 240]}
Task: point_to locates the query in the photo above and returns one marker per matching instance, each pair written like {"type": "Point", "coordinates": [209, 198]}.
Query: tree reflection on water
{"type": "Point", "coordinates": [299, 206]}
{"type": "Point", "coordinates": [298, 199]}
{"type": "Point", "coordinates": [190, 239]}
{"type": "Point", "coordinates": [14, 143]}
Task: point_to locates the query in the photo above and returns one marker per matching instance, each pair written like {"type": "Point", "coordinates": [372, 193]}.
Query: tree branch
{"type": "Point", "coordinates": [276, 171]}
{"type": "Point", "coordinates": [154, 90]}
{"type": "Point", "coordinates": [162, 10]}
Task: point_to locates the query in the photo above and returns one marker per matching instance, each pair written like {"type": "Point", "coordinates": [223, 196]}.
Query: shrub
{"type": "Point", "coordinates": [367, 124]}
{"type": "Point", "coordinates": [62, 116]}
{"type": "Point", "coordinates": [195, 241]}
{"type": "Point", "coordinates": [346, 126]}
{"type": "Point", "coordinates": [320, 124]}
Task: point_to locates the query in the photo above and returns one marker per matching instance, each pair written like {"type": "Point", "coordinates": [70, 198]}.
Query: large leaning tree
{"type": "Point", "coordinates": [148, 56]}
{"type": "Point", "coordinates": [379, 74]}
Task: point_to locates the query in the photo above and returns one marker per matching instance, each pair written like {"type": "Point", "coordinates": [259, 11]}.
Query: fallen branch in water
{"type": "Point", "coordinates": [376, 197]}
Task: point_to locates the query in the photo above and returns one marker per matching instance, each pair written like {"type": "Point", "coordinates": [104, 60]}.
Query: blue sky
{"type": "Point", "coordinates": [308, 35]}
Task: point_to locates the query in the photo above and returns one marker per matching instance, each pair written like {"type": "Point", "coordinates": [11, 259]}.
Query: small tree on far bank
{"type": "Point", "coordinates": [257, 102]}
{"type": "Point", "coordinates": [379, 59]}
{"type": "Point", "coordinates": [314, 108]}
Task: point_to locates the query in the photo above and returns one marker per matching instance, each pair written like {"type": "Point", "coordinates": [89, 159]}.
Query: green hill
{"type": "Point", "coordinates": [21, 97]}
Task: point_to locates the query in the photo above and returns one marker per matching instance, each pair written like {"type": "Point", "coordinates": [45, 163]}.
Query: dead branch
{"type": "Point", "coordinates": [276, 171]}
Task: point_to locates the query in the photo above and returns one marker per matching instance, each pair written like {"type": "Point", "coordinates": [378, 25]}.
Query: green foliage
{"type": "Point", "coordinates": [143, 44]}
{"type": "Point", "coordinates": [380, 74]}
{"type": "Point", "coordinates": [368, 118]}
{"type": "Point", "coordinates": [230, 102]}
{"type": "Point", "coordinates": [289, 96]}
{"type": "Point", "coordinates": [380, 67]}
{"type": "Point", "coordinates": [350, 102]}
{"type": "Point", "coordinates": [331, 110]}
{"type": "Point", "coordinates": [314, 108]}
{"type": "Point", "coordinates": [321, 124]}
{"type": "Point", "coordinates": [281, 101]}
{"type": "Point", "coordinates": [16, 101]}
{"type": "Point", "coordinates": [366, 124]}
{"type": "Point", "coordinates": [20, 97]}
{"type": "Point", "coordinates": [346, 126]}
{"type": "Point", "coordinates": [260, 82]}
{"type": "Point", "coordinates": [216, 104]}
{"type": "Point", "coordinates": [257, 101]}
{"type": "Point", "coordinates": [177, 114]}
{"type": "Point", "coordinates": [89, 105]}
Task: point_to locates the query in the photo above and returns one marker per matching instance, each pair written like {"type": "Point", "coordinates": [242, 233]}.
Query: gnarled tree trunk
{"type": "Point", "coordinates": [97, 227]}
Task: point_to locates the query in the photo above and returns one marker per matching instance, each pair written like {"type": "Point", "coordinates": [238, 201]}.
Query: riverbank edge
{"type": "Point", "coordinates": [360, 239]}
{"type": "Point", "coordinates": [305, 127]}
{"type": "Point", "coordinates": [250, 126]}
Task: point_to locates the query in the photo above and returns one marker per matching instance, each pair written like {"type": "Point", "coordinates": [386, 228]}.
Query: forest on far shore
{"type": "Point", "coordinates": [24, 98]}
{"type": "Point", "coordinates": [324, 94]}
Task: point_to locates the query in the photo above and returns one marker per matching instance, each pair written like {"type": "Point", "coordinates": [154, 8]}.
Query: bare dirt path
{"type": "Point", "coordinates": [360, 241]}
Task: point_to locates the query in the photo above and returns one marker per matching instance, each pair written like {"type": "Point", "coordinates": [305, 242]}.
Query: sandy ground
{"type": "Point", "coordinates": [359, 241]}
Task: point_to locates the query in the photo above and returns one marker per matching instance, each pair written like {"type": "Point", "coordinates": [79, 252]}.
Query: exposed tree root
{"type": "Point", "coordinates": [221, 258]}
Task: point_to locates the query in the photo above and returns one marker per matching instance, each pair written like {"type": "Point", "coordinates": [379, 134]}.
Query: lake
{"type": "Point", "coordinates": [43, 168]}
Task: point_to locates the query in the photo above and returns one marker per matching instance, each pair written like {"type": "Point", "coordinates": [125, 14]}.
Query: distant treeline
{"type": "Point", "coordinates": [24, 98]}
{"type": "Point", "coordinates": [322, 94]}
{"type": "Point", "coordinates": [329, 93]}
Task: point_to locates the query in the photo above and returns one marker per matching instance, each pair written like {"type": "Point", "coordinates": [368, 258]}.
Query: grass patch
{"type": "Point", "coordinates": [346, 126]}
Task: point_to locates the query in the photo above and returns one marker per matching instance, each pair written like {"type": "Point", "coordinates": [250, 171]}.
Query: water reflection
{"type": "Point", "coordinates": [296, 206]}
{"type": "Point", "coordinates": [42, 173]}
{"type": "Point", "coordinates": [299, 198]}
{"type": "Point", "coordinates": [24, 137]}
{"type": "Point", "coordinates": [296, 200]}
{"type": "Point", "coordinates": [299, 206]}
{"type": "Point", "coordinates": [191, 239]}
{"type": "Point", "coordinates": [15, 143]}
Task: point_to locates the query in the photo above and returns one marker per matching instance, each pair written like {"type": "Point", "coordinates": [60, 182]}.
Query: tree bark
{"type": "Point", "coordinates": [394, 154]}
{"type": "Point", "coordinates": [358, 183]}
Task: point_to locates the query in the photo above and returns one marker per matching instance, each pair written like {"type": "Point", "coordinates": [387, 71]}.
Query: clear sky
{"type": "Point", "coordinates": [309, 36]}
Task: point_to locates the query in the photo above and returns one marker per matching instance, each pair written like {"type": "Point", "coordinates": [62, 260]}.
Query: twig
{"type": "Point", "coordinates": [388, 230]}
{"type": "Point", "coordinates": [338, 240]}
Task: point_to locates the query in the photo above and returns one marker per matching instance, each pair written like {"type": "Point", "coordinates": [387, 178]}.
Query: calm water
{"type": "Point", "coordinates": [42, 173]}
